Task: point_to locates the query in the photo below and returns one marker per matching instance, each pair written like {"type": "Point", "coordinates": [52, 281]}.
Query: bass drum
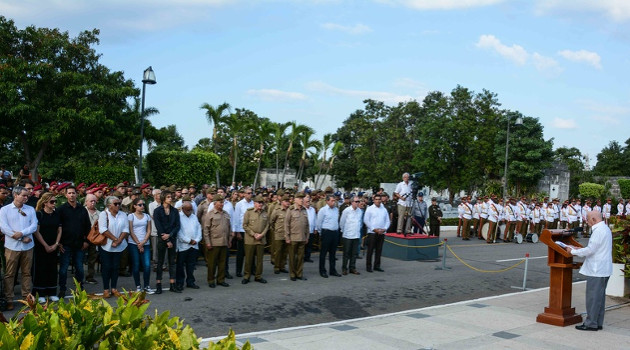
{"type": "Point", "coordinates": [484, 230]}
{"type": "Point", "coordinates": [518, 238]}
{"type": "Point", "coordinates": [532, 238]}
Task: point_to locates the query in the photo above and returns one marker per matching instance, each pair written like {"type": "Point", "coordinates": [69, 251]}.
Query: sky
{"type": "Point", "coordinates": [315, 61]}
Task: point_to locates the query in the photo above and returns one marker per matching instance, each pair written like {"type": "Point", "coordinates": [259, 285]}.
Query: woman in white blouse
{"type": "Point", "coordinates": [114, 225]}
{"type": "Point", "coordinates": [139, 245]}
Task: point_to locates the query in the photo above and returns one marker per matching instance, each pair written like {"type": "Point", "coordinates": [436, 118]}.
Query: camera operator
{"type": "Point", "coordinates": [403, 194]}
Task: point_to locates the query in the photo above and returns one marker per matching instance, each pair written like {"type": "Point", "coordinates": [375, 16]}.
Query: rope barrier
{"type": "Point", "coordinates": [480, 270]}
{"type": "Point", "coordinates": [415, 246]}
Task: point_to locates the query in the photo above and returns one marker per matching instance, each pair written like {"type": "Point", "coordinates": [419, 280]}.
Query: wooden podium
{"type": "Point", "coordinates": [559, 312]}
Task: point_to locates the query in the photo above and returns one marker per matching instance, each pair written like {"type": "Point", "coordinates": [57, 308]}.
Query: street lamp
{"type": "Point", "coordinates": [147, 78]}
{"type": "Point", "coordinates": [519, 121]}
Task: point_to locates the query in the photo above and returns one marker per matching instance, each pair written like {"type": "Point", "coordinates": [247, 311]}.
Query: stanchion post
{"type": "Point", "coordinates": [443, 267]}
{"type": "Point", "coordinates": [525, 272]}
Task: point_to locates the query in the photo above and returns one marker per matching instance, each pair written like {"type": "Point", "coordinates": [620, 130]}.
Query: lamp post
{"type": "Point", "coordinates": [147, 78]}
{"type": "Point", "coordinates": [519, 121]}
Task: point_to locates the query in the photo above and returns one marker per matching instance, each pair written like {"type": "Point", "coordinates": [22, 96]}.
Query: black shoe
{"type": "Point", "coordinates": [293, 279]}
{"type": "Point", "coordinates": [379, 269]}
{"type": "Point", "coordinates": [91, 281]}
{"type": "Point", "coordinates": [302, 278]}
{"type": "Point", "coordinates": [192, 286]}
{"type": "Point", "coordinates": [224, 284]}
{"type": "Point", "coordinates": [369, 270]}
{"type": "Point", "coordinates": [238, 274]}
{"type": "Point", "coordinates": [582, 327]}
{"type": "Point", "coordinates": [359, 257]}
{"type": "Point", "coordinates": [277, 272]}
{"type": "Point", "coordinates": [336, 274]}
{"type": "Point", "coordinates": [212, 285]}
{"type": "Point", "coordinates": [228, 276]}
{"type": "Point", "coordinates": [284, 271]}
{"type": "Point", "coordinates": [174, 289]}
{"type": "Point", "coordinates": [308, 260]}
{"type": "Point", "coordinates": [158, 288]}
{"type": "Point", "coordinates": [245, 281]}
{"type": "Point", "coordinates": [323, 274]}
{"type": "Point", "coordinates": [62, 295]}
{"type": "Point", "coordinates": [599, 328]}
{"type": "Point", "coordinates": [261, 280]}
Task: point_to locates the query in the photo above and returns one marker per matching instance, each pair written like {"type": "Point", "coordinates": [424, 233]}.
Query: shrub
{"type": "Point", "coordinates": [624, 187]}
{"type": "Point", "coordinates": [591, 190]}
{"type": "Point", "coordinates": [111, 174]}
{"type": "Point", "coordinates": [182, 168]}
{"type": "Point", "coordinates": [86, 323]}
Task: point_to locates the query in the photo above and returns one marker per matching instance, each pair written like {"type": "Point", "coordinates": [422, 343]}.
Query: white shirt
{"type": "Point", "coordinates": [117, 226]}
{"type": "Point", "coordinates": [404, 190]}
{"type": "Point", "coordinates": [189, 229]}
{"type": "Point", "coordinates": [180, 202]}
{"type": "Point", "coordinates": [493, 212]}
{"type": "Point", "coordinates": [239, 214]}
{"type": "Point", "coordinates": [376, 218]}
{"type": "Point", "coordinates": [152, 207]}
{"type": "Point", "coordinates": [11, 221]}
{"type": "Point", "coordinates": [312, 218]}
{"type": "Point", "coordinates": [598, 262]}
{"type": "Point", "coordinates": [139, 227]}
{"type": "Point", "coordinates": [606, 210]}
{"type": "Point", "coordinates": [350, 223]}
{"type": "Point", "coordinates": [619, 209]}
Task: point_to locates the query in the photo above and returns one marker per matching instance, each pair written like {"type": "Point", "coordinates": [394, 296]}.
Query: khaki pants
{"type": "Point", "coordinates": [215, 260]}
{"type": "Point", "coordinates": [250, 251]}
{"type": "Point", "coordinates": [296, 259]}
{"type": "Point", "coordinates": [23, 259]}
{"type": "Point", "coordinates": [280, 254]}
{"type": "Point", "coordinates": [402, 224]}
{"type": "Point", "coordinates": [465, 228]}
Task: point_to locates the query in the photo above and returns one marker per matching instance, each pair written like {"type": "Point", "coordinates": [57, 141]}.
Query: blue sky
{"type": "Point", "coordinates": [562, 61]}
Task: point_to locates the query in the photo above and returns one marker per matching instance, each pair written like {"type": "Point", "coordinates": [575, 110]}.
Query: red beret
{"type": "Point", "coordinates": [82, 184]}
{"type": "Point", "coordinates": [37, 188]}
{"type": "Point", "coordinates": [126, 183]}
{"type": "Point", "coordinates": [144, 186]}
{"type": "Point", "coordinates": [53, 183]}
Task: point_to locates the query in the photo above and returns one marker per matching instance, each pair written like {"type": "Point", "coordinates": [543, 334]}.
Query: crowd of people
{"type": "Point", "coordinates": [150, 230]}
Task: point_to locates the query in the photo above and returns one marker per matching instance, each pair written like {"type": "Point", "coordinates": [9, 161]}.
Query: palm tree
{"type": "Point", "coordinates": [278, 137]}
{"type": "Point", "coordinates": [307, 143]}
{"type": "Point", "coordinates": [214, 115]}
{"type": "Point", "coordinates": [296, 130]}
{"type": "Point", "coordinates": [326, 141]}
{"type": "Point", "coordinates": [334, 153]}
{"type": "Point", "coordinates": [235, 125]}
{"type": "Point", "coordinates": [263, 130]}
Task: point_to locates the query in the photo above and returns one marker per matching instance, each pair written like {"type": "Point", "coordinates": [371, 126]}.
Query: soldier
{"type": "Point", "coordinates": [296, 234]}
{"type": "Point", "coordinates": [217, 235]}
{"type": "Point", "coordinates": [523, 210]}
{"type": "Point", "coordinates": [237, 227]}
{"type": "Point", "coordinates": [585, 210]}
{"type": "Point", "coordinates": [276, 223]}
{"type": "Point", "coordinates": [628, 209]}
{"type": "Point", "coordinates": [476, 216]}
{"type": "Point", "coordinates": [494, 214]}
{"type": "Point", "coordinates": [620, 209]}
{"type": "Point", "coordinates": [483, 216]}
{"type": "Point", "coordinates": [606, 210]}
{"type": "Point", "coordinates": [573, 220]}
{"type": "Point", "coordinates": [256, 225]}
{"type": "Point", "coordinates": [556, 213]}
{"type": "Point", "coordinates": [435, 217]}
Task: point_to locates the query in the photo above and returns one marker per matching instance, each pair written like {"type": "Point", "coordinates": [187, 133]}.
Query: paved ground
{"type": "Point", "coordinates": [405, 285]}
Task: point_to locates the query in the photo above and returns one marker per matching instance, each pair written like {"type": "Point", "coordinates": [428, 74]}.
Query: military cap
{"type": "Point", "coordinates": [286, 197]}
{"type": "Point", "coordinates": [218, 198]}
{"type": "Point", "coordinates": [328, 189]}
{"type": "Point", "coordinates": [299, 195]}
{"type": "Point", "coordinates": [144, 186]}
{"type": "Point", "coordinates": [259, 199]}
{"type": "Point", "coordinates": [82, 184]}
{"type": "Point", "coordinates": [36, 188]}
{"type": "Point", "coordinates": [433, 199]}
{"type": "Point", "coordinates": [117, 194]}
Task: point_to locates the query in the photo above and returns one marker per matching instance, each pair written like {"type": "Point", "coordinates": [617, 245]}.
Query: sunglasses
{"type": "Point", "coordinates": [140, 204]}
{"type": "Point", "coordinates": [52, 201]}
{"type": "Point", "coordinates": [356, 201]}
{"type": "Point", "coordinates": [21, 212]}
{"type": "Point", "coordinates": [116, 204]}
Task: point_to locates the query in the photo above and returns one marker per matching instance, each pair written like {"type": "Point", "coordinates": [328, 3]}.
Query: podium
{"type": "Point", "coordinates": [561, 265]}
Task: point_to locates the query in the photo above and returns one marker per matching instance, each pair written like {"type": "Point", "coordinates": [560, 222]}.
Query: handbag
{"type": "Point", "coordinates": [95, 237]}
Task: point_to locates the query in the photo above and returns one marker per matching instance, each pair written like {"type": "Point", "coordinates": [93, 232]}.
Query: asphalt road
{"type": "Point", "coordinates": [404, 285]}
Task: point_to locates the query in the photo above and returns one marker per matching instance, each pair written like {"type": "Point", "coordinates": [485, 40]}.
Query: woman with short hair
{"type": "Point", "coordinates": [112, 223]}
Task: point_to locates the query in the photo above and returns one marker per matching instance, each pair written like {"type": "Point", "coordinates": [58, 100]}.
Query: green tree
{"type": "Point", "coordinates": [214, 116]}
{"type": "Point", "coordinates": [612, 160]}
{"type": "Point", "coordinates": [236, 125]}
{"type": "Point", "coordinates": [52, 86]}
{"type": "Point", "coordinates": [296, 131]}
{"type": "Point", "coordinates": [263, 131]}
{"type": "Point", "coordinates": [278, 144]}
{"type": "Point", "coordinates": [574, 160]}
{"type": "Point", "coordinates": [307, 144]}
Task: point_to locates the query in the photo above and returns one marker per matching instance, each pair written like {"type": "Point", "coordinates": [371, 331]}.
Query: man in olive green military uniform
{"type": "Point", "coordinates": [61, 197]}
{"type": "Point", "coordinates": [276, 223]}
{"type": "Point", "coordinates": [296, 231]}
{"type": "Point", "coordinates": [435, 217]}
{"type": "Point", "coordinates": [217, 235]}
{"type": "Point", "coordinates": [256, 225]}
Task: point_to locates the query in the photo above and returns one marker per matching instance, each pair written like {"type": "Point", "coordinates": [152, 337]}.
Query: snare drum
{"type": "Point", "coordinates": [532, 238]}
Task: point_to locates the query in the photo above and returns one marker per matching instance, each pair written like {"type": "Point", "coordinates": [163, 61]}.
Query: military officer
{"type": "Point", "coordinates": [217, 236]}
{"type": "Point", "coordinates": [276, 223]}
{"type": "Point", "coordinates": [256, 225]}
{"type": "Point", "coordinates": [296, 231]}
{"type": "Point", "coordinates": [435, 217]}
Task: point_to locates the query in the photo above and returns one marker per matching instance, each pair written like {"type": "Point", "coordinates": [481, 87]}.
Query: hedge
{"type": "Point", "coordinates": [111, 174]}
{"type": "Point", "coordinates": [182, 168]}
{"type": "Point", "coordinates": [624, 187]}
{"type": "Point", "coordinates": [591, 190]}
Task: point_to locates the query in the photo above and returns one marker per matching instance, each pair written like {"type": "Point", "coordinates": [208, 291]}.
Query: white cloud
{"type": "Point", "coordinates": [544, 63]}
{"type": "Point", "coordinates": [441, 4]}
{"type": "Point", "coordinates": [355, 29]}
{"type": "Point", "coordinates": [588, 57]}
{"type": "Point", "coordinates": [617, 10]}
{"type": "Point", "coordinates": [514, 53]}
{"type": "Point", "coordinates": [388, 97]}
{"type": "Point", "coordinates": [564, 123]}
{"type": "Point", "coordinates": [608, 114]}
{"type": "Point", "coordinates": [276, 95]}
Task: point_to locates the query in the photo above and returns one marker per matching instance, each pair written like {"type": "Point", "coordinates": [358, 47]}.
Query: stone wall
{"type": "Point", "coordinates": [556, 180]}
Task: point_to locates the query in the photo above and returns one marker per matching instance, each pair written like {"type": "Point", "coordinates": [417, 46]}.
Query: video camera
{"type": "Point", "coordinates": [416, 184]}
